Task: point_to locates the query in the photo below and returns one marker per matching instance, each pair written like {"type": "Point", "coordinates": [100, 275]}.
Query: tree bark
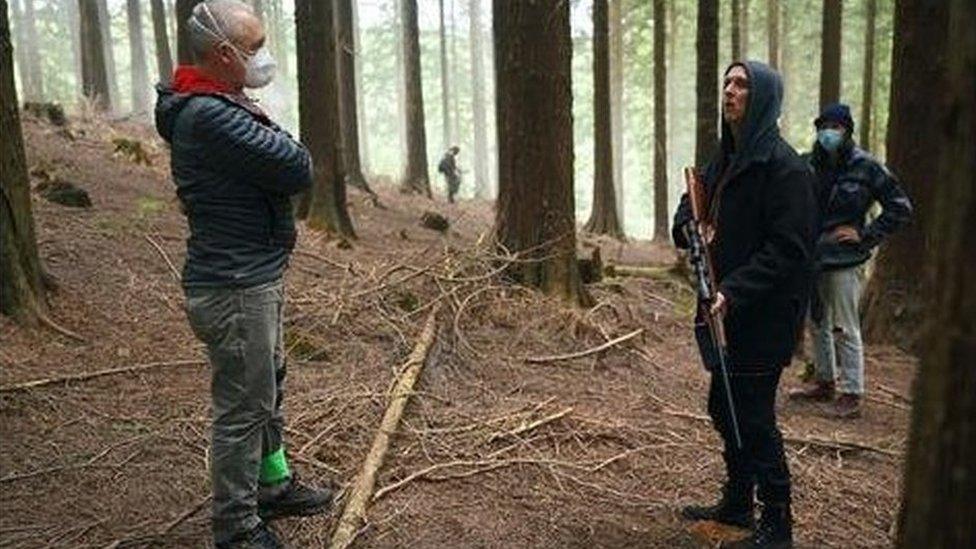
{"type": "Point", "coordinates": [617, 102]}
{"type": "Point", "coordinates": [736, 30]}
{"type": "Point", "coordinates": [137, 59]}
{"type": "Point", "coordinates": [164, 57]}
{"type": "Point", "coordinates": [744, 28]}
{"type": "Point", "coordinates": [603, 214]}
{"type": "Point", "coordinates": [184, 53]}
{"type": "Point", "coordinates": [70, 8]}
{"type": "Point", "coordinates": [93, 67]}
{"type": "Point", "coordinates": [447, 139]}
{"type": "Point", "coordinates": [867, 89]}
{"type": "Point", "coordinates": [480, 152]}
{"type": "Point", "coordinates": [940, 470]}
{"type": "Point", "coordinates": [401, 87]}
{"type": "Point", "coordinates": [830, 53]}
{"type": "Point", "coordinates": [21, 284]}
{"type": "Point", "coordinates": [318, 116]}
{"type": "Point", "coordinates": [20, 51]}
{"type": "Point", "coordinates": [535, 211]}
{"type": "Point", "coordinates": [361, 110]}
{"type": "Point", "coordinates": [455, 75]}
{"type": "Point", "coordinates": [772, 33]}
{"type": "Point", "coordinates": [706, 82]}
{"type": "Point", "coordinates": [660, 126]}
{"type": "Point", "coordinates": [33, 53]}
{"type": "Point", "coordinates": [895, 294]}
{"type": "Point", "coordinates": [105, 24]}
{"type": "Point", "coordinates": [348, 112]}
{"type": "Point", "coordinates": [416, 179]}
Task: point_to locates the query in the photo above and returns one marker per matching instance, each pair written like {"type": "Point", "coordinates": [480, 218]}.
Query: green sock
{"type": "Point", "coordinates": [274, 468]}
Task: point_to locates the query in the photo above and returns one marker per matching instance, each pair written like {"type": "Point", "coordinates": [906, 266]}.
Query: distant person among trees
{"type": "Point", "coordinates": [236, 172]}
{"type": "Point", "coordinates": [760, 227]}
{"type": "Point", "coordinates": [849, 181]}
{"type": "Point", "coordinates": [448, 166]}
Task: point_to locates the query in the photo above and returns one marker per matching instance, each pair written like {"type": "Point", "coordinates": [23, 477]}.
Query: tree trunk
{"type": "Point", "coordinates": [603, 214]}
{"type": "Point", "coordinates": [480, 152]}
{"type": "Point", "coordinates": [660, 126]}
{"type": "Point", "coordinates": [348, 113]}
{"type": "Point", "coordinates": [894, 297]}
{"type": "Point", "coordinates": [940, 470]}
{"type": "Point", "coordinates": [105, 25]}
{"type": "Point", "coordinates": [867, 89]}
{"type": "Point", "coordinates": [70, 8]}
{"type": "Point", "coordinates": [772, 32]}
{"type": "Point", "coordinates": [706, 82]}
{"type": "Point", "coordinates": [535, 211]}
{"type": "Point", "coordinates": [184, 53]}
{"type": "Point", "coordinates": [744, 28]}
{"type": "Point", "coordinates": [318, 114]}
{"type": "Point", "coordinates": [617, 103]}
{"type": "Point", "coordinates": [416, 179]}
{"type": "Point", "coordinates": [164, 58]}
{"type": "Point", "coordinates": [455, 75]}
{"type": "Point", "coordinates": [93, 67]}
{"type": "Point", "coordinates": [20, 51]}
{"type": "Point", "coordinates": [830, 53]}
{"type": "Point", "coordinates": [736, 30]}
{"type": "Point", "coordinates": [137, 59]}
{"type": "Point", "coordinates": [360, 104]}
{"type": "Point", "coordinates": [400, 89]}
{"type": "Point", "coordinates": [447, 138]}
{"type": "Point", "coordinates": [33, 53]}
{"type": "Point", "coordinates": [173, 27]}
{"type": "Point", "coordinates": [21, 284]}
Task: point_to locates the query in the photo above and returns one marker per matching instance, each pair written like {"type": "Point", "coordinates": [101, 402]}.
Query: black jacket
{"type": "Point", "coordinates": [845, 193]}
{"type": "Point", "coordinates": [234, 172]}
{"type": "Point", "coordinates": [765, 230]}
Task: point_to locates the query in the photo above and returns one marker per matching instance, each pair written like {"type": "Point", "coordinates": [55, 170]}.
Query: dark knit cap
{"type": "Point", "coordinates": [836, 112]}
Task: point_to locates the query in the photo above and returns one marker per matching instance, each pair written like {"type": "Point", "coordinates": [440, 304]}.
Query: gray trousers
{"type": "Point", "coordinates": [242, 329]}
{"type": "Point", "coordinates": [837, 348]}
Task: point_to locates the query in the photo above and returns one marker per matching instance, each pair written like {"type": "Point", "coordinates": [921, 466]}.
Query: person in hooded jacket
{"type": "Point", "coordinates": [235, 173]}
{"type": "Point", "coordinates": [761, 226]}
{"type": "Point", "coordinates": [849, 181]}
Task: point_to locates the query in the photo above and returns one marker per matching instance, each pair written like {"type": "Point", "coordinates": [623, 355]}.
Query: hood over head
{"type": "Point", "coordinates": [760, 129]}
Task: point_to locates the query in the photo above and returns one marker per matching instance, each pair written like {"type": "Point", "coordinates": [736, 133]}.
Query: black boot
{"type": "Point", "coordinates": [735, 508]}
{"type": "Point", "coordinates": [295, 499]}
{"type": "Point", "coordinates": [260, 537]}
{"type": "Point", "coordinates": [775, 530]}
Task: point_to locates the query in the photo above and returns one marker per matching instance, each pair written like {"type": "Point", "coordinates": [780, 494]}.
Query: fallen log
{"type": "Point", "coordinates": [354, 512]}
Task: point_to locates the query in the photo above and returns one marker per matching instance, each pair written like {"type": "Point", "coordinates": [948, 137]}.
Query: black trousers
{"type": "Point", "coordinates": [761, 460]}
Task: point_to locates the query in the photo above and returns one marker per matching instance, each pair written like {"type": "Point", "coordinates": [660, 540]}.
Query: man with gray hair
{"type": "Point", "coordinates": [235, 173]}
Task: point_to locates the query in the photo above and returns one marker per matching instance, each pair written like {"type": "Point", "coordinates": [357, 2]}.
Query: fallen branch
{"type": "Point", "coordinates": [172, 268]}
{"type": "Point", "coordinates": [524, 428]}
{"type": "Point", "coordinates": [354, 512]}
{"type": "Point", "coordinates": [92, 375]}
{"type": "Point", "coordinates": [637, 271]}
{"type": "Point", "coordinates": [580, 354]}
{"type": "Point", "coordinates": [833, 444]}
{"type": "Point", "coordinates": [46, 320]}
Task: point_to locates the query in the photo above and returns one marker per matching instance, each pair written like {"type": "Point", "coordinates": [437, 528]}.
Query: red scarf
{"type": "Point", "coordinates": [190, 79]}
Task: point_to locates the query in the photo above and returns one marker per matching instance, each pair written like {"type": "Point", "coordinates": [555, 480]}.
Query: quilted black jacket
{"type": "Point", "coordinates": [235, 172]}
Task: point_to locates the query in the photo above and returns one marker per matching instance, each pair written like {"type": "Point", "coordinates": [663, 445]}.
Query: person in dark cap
{"type": "Point", "coordinates": [761, 224]}
{"type": "Point", "coordinates": [849, 182]}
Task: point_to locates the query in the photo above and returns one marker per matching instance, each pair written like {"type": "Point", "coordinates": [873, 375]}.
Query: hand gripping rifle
{"type": "Point", "coordinates": [711, 338]}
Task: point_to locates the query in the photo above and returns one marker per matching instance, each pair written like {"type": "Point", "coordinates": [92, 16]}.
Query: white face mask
{"type": "Point", "coordinates": [259, 67]}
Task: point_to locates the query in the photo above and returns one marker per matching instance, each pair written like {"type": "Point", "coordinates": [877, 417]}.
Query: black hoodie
{"type": "Point", "coordinates": [765, 230]}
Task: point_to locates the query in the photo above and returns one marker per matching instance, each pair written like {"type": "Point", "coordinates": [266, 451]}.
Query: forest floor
{"type": "Point", "coordinates": [598, 451]}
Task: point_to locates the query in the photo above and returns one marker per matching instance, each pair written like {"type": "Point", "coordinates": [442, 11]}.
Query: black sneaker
{"type": "Point", "coordinates": [259, 537]}
{"type": "Point", "coordinates": [296, 500]}
{"type": "Point", "coordinates": [775, 530]}
{"type": "Point", "coordinates": [735, 509]}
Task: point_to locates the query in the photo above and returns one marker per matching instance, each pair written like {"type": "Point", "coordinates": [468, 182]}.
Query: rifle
{"type": "Point", "coordinates": [712, 343]}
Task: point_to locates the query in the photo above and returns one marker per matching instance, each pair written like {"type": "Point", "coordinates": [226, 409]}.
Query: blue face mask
{"type": "Point", "coordinates": [830, 139]}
